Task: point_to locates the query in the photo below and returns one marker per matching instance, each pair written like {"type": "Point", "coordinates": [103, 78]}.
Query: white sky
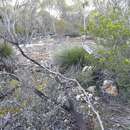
{"type": "Point", "coordinates": [55, 12]}
{"type": "Point", "coordinates": [12, 2]}
{"type": "Point", "coordinates": [68, 2]}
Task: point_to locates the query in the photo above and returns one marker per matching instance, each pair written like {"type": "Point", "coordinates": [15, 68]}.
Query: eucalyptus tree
{"type": "Point", "coordinates": [102, 6]}
{"type": "Point", "coordinates": [81, 9]}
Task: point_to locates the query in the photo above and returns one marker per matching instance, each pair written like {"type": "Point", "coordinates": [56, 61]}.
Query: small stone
{"type": "Point", "coordinates": [91, 89]}
{"type": "Point", "coordinates": [97, 98]}
{"type": "Point", "coordinates": [66, 121]}
{"type": "Point", "coordinates": [82, 95]}
{"type": "Point", "coordinates": [90, 95]}
{"type": "Point", "coordinates": [78, 97]}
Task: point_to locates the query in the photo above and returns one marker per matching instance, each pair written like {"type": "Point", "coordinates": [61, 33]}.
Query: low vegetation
{"type": "Point", "coordinates": [115, 62]}
{"type": "Point", "coordinates": [92, 91]}
{"type": "Point", "coordinates": [72, 56]}
{"type": "Point", "coordinates": [112, 32]}
{"type": "Point", "coordinates": [6, 50]}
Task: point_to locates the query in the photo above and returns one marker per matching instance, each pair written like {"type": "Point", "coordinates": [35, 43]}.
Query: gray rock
{"type": "Point", "coordinates": [91, 89]}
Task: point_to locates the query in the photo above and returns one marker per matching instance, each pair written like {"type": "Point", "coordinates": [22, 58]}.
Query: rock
{"type": "Point", "coordinates": [66, 121]}
{"type": "Point", "coordinates": [78, 97]}
{"type": "Point", "coordinates": [97, 98]}
{"type": "Point", "coordinates": [91, 89]}
{"type": "Point", "coordinates": [110, 88]}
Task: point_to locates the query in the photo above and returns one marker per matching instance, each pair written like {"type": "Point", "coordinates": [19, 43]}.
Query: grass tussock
{"type": "Point", "coordinates": [6, 50]}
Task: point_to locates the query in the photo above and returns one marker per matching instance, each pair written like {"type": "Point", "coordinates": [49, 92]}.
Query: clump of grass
{"type": "Point", "coordinates": [71, 56]}
{"type": "Point", "coordinates": [5, 50]}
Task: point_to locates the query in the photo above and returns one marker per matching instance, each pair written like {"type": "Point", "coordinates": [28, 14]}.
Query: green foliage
{"type": "Point", "coordinates": [40, 87]}
{"type": "Point", "coordinates": [5, 50]}
{"type": "Point", "coordinates": [111, 26]}
{"type": "Point", "coordinates": [117, 63]}
{"type": "Point", "coordinates": [72, 60]}
{"type": "Point", "coordinates": [73, 56]}
{"type": "Point", "coordinates": [14, 83]}
{"type": "Point", "coordinates": [112, 32]}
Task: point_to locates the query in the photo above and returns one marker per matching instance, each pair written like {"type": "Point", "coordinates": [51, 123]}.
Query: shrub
{"type": "Point", "coordinates": [72, 60]}
{"type": "Point", "coordinates": [112, 32]}
{"type": "Point", "coordinates": [70, 56]}
{"type": "Point", "coordinates": [74, 55]}
{"type": "Point", "coordinates": [113, 26]}
{"type": "Point", "coordinates": [5, 50]}
{"type": "Point", "coordinates": [117, 63]}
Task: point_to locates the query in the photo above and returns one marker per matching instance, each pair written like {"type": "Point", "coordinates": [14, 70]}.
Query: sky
{"type": "Point", "coordinates": [55, 12]}
{"type": "Point", "coordinates": [68, 2]}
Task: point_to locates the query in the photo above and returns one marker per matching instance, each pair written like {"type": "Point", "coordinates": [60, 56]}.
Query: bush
{"type": "Point", "coordinates": [117, 63]}
{"type": "Point", "coordinates": [112, 32]}
{"type": "Point", "coordinates": [70, 56]}
{"type": "Point", "coordinates": [73, 56]}
{"type": "Point", "coordinates": [5, 50]}
{"type": "Point", "coordinates": [71, 62]}
{"type": "Point", "coordinates": [111, 26]}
